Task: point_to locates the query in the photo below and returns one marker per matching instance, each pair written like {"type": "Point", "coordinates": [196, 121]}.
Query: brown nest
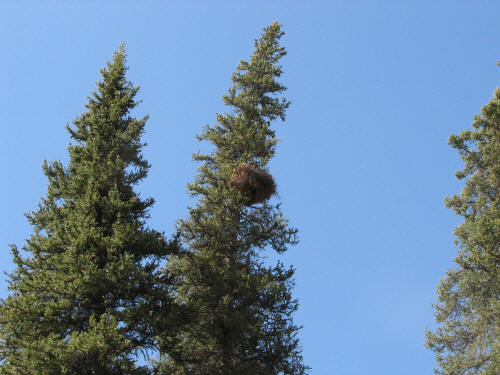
{"type": "Point", "coordinates": [254, 184]}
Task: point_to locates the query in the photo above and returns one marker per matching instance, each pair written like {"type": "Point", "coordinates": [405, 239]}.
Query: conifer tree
{"type": "Point", "coordinates": [86, 288]}
{"type": "Point", "coordinates": [234, 312]}
{"type": "Point", "coordinates": [468, 312]}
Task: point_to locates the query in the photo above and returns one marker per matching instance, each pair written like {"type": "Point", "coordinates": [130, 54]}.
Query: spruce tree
{"type": "Point", "coordinates": [86, 287]}
{"type": "Point", "coordinates": [468, 312]}
{"type": "Point", "coordinates": [234, 312]}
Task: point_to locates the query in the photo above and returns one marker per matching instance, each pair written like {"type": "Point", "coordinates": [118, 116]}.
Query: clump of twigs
{"type": "Point", "coordinates": [255, 185]}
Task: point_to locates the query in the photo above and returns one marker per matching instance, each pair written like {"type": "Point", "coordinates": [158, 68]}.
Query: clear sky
{"type": "Point", "coordinates": [376, 89]}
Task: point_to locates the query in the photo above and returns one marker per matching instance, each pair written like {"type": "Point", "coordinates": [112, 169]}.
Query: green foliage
{"type": "Point", "coordinates": [468, 312]}
{"type": "Point", "coordinates": [83, 296]}
{"type": "Point", "coordinates": [234, 312]}
{"type": "Point", "coordinates": [101, 349]}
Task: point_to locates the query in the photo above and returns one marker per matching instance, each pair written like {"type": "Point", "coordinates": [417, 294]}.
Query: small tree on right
{"type": "Point", "coordinates": [468, 311]}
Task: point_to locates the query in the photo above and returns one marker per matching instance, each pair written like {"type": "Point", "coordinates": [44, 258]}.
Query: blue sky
{"type": "Point", "coordinates": [376, 89]}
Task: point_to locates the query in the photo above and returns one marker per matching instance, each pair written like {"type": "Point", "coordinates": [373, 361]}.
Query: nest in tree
{"type": "Point", "coordinates": [255, 185]}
